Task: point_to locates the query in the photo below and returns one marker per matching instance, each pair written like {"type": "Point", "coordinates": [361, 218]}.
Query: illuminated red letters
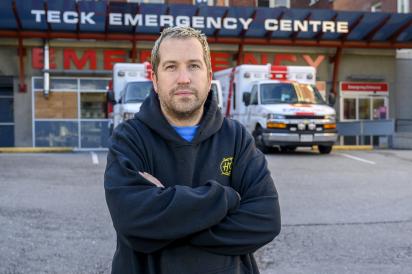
{"type": "Point", "coordinates": [37, 58]}
{"type": "Point", "coordinates": [87, 59]}
{"type": "Point", "coordinates": [113, 56]}
{"type": "Point", "coordinates": [88, 56]}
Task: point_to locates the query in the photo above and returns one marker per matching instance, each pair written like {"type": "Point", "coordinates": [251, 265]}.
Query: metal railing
{"type": "Point", "coordinates": [403, 125]}
{"type": "Point", "coordinates": [366, 128]}
{"type": "Point", "coordinates": [384, 129]}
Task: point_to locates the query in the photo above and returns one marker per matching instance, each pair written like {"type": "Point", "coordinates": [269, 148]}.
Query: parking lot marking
{"type": "Point", "coordinates": [95, 159]}
{"type": "Point", "coordinates": [358, 159]}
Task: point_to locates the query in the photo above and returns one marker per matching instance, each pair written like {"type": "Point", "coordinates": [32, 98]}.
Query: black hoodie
{"type": "Point", "coordinates": [197, 223]}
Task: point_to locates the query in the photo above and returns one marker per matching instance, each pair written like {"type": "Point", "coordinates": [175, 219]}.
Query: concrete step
{"type": "Point", "coordinates": [402, 140]}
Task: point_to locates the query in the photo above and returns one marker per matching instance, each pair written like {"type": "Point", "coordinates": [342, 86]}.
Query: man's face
{"type": "Point", "coordinates": [182, 81]}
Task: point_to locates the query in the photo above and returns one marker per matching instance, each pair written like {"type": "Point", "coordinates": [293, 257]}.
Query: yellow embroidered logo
{"type": "Point", "coordinates": [226, 166]}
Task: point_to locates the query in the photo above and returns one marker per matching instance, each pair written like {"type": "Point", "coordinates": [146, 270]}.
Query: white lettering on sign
{"type": "Point", "coordinates": [342, 27]}
{"type": "Point", "coordinates": [87, 17]}
{"type": "Point", "coordinates": [38, 14]}
{"type": "Point", "coordinates": [183, 21]}
{"type": "Point", "coordinates": [166, 20]}
{"type": "Point", "coordinates": [306, 25]}
{"type": "Point", "coordinates": [246, 22]}
{"type": "Point", "coordinates": [53, 16]}
{"type": "Point", "coordinates": [229, 23]}
{"type": "Point", "coordinates": [199, 22]}
{"type": "Point", "coordinates": [70, 17]}
{"type": "Point", "coordinates": [130, 20]}
{"type": "Point", "coordinates": [67, 17]}
{"type": "Point", "coordinates": [151, 20]}
{"type": "Point", "coordinates": [115, 19]}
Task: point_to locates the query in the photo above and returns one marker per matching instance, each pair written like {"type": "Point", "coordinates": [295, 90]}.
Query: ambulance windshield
{"type": "Point", "coordinates": [288, 93]}
{"type": "Point", "coordinates": [137, 91]}
{"type": "Point", "coordinates": [309, 94]}
{"type": "Point", "coordinates": [278, 93]}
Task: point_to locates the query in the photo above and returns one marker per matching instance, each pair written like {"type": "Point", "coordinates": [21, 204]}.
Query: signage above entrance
{"type": "Point", "coordinates": [198, 22]}
{"type": "Point", "coordinates": [360, 88]}
{"type": "Point", "coordinates": [122, 20]}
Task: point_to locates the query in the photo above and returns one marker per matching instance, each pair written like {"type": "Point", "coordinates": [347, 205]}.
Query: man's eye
{"type": "Point", "coordinates": [170, 67]}
{"type": "Point", "coordinates": [194, 66]}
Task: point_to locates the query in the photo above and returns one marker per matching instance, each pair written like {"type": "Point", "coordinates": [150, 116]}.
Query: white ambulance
{"type": "Point", "coordinates": [131, 84]}
{"type": "Point", "coordinates": [279, 105]}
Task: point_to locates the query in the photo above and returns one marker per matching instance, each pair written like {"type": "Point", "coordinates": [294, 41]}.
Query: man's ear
{"type": "Point", "coordinates": [154, 80]}
{"type": "Point", "coordinates": [210, 79]}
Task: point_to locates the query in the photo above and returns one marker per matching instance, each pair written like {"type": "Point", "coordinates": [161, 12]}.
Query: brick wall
{"type": "Point", "coordinates": [242, 3]}
{"type": "Point", "coordinates": [220, 2]}
{"type": "Point", "coordinates": [190, 2]}
{"type": "Point", "coordinates": [364, 5]}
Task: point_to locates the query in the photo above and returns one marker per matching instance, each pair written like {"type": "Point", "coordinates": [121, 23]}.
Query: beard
{"type": "Point", "coordinates": [183, 107]}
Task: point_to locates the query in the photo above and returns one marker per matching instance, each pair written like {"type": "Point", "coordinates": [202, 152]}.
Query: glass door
{"type": "Point", "coordinates": [355, 108]}
{"type": "Point", "coordinates": [379, 108]}
{"type": "Point", "coordinates": [6, 113]}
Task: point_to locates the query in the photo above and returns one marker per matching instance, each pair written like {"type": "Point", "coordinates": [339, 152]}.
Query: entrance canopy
{"type": "Point", "coordinates": [105, 20]}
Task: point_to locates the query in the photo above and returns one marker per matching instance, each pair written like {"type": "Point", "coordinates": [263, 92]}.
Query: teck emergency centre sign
{"type": "Point", "coordinates": [198, 22]}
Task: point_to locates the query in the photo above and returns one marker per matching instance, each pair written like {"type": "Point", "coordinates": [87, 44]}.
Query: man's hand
{"type": "Point", "coordinates": [151, 179]}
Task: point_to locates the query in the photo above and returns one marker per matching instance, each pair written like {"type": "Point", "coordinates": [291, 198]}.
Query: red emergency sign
{"type": "Point", "coordinates": [372, 87]}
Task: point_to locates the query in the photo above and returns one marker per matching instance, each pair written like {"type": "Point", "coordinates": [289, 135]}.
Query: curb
{"type": "Point", "coordinates": [352, 147]}
{"type": "Point", "coordinates": [36, 149]}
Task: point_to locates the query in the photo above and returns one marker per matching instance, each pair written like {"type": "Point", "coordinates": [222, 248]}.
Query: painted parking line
{"type": "Point", "coordinates": [357, 159]}
{"type": "Point", "coordinates": [95, 159]}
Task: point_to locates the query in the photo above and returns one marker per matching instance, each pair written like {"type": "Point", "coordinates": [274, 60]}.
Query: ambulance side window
{"type": "Point", "coordinates": [253, 96]}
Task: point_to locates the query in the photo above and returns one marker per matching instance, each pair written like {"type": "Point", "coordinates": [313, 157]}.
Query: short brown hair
{"type": "Point", "coordinates": [181, 32]}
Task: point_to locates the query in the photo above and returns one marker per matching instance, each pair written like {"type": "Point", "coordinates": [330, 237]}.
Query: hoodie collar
{"type": "Point", "coordinates": [151, 115]}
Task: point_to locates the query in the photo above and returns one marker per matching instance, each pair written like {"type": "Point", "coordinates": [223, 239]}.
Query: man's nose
{"type": "Point", "coordinates": [183, 77]}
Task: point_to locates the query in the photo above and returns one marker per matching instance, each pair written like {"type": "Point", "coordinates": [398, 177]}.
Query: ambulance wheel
{"type": "Point", "coordinates": [258, 136]}
{"type": "Point", "coordinates": [325, 149]}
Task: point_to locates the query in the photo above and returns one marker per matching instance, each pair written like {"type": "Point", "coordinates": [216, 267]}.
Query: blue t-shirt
{"type": "Point", "coordinates": [187, 133]}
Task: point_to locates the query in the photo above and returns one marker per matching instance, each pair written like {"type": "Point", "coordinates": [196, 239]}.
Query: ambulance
{"type": "Point", "coordinates": [279, 105]}
{"type": "Point", "coordinates": [131, 84]}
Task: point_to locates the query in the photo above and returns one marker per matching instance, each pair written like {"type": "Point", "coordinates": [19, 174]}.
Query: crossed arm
{"type": "Point", "coordinates": [148, 216]}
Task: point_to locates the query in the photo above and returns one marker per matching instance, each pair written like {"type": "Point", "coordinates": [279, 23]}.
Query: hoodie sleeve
{"type": "Point", "coordinates": [147, 217]}
{"type": "Point", "coordinates": [257, 220]}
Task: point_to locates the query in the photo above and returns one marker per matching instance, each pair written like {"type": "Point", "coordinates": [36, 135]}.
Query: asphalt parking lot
{"type": "Point", "coordinates": [347, 212]}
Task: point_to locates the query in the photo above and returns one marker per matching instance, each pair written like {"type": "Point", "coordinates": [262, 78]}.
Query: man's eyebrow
{"type": "Point", "coordinates": [173, 62]}
{"type": "Point", "coordinates": [169, 62]}
{"type": "Point", "coordinates": [188, 61]}
{"type": "Point", "coordinates": [194, 60]}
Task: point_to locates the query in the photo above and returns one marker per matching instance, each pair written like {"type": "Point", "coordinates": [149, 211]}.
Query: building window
{"type": "Point", "coordinates": [403, 6]}
{"type": "Point", "coordinates": [59, 105]}
{"type": "Point", "coordinates": [377, 7]}
{"type": "Point", "coordinates": [273, 3]}
{"type": "Point", "coordinates": [74, 114]}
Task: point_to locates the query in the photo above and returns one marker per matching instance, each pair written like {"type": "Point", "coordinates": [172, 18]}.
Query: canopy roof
{"type": "Point", "coordinates": [105, 20]}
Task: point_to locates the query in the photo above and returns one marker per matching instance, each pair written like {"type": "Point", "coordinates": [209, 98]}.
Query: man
{"type": "Point", "coordinates": [187, 190]}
